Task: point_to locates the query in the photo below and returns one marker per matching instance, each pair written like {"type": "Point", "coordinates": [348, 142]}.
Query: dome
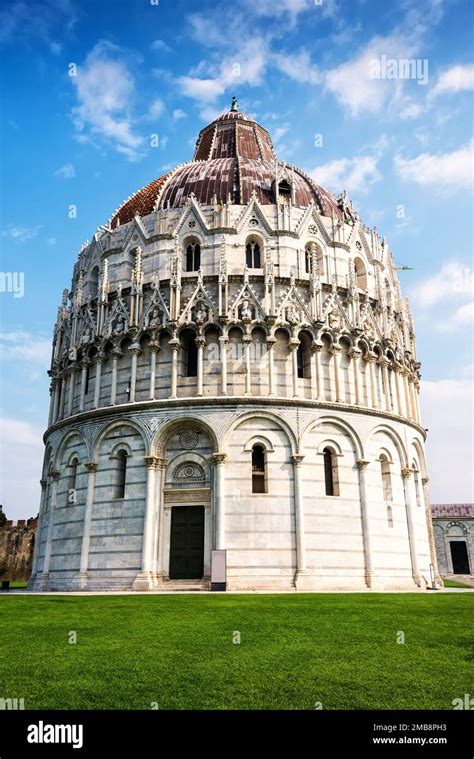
{"type": "Point", "coordinates": [234, 157]}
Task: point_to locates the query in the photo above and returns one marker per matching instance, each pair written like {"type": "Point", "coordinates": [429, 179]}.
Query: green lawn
{"type": "Point", "coordinates": [455, 584]}
{"type": "Point", "coordinates": [295, 650]}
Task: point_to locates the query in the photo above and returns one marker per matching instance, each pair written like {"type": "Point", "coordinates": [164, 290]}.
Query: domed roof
{"type": "Point", "coordinates": [234, 157]}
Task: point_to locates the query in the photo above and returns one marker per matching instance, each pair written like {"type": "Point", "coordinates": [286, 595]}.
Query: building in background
{"type": "Point", "coordinates": [454, 536]}
{"type": "Point", "coordinates": [234, 368]}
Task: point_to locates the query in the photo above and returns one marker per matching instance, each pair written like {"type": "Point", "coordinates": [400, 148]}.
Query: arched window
{"type": "Point", "coordinates": [303, 356]}
{"type": "Point", "coordinates": [72, 480]}
{"type": "Point", "coordinates": [360, 274]}
{"type": "Point", "coordinates": [307, 259]}
{"type": "Point", "coordinates": [386, 477]}
{"type": "Point", "coordinates": [88, 377]}
{"type": "Point", "coordinates": [193, 256]}
{"type": "Point", "coordinates": [120, 474]}
{"type": "Point", "coordinates": [330, 472]}
{"type": "Point", "coordinates": [259, 479]}
{"type": "Point", "coordinates": [389, 516]}
{"type": "Point", "coordinates": [252, 255]}
{"type": "Point", "coordinates": [188, 341]}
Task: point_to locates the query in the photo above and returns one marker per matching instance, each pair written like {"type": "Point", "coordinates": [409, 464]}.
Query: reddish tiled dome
{"type": "Point", "coordinates": [234, 157]}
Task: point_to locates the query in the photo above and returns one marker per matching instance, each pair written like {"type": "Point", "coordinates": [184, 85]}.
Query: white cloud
{"type": "Point", "coordinates": [445, 170]}
{"type": "Point", "coordinates": [455, 79]}
{"type": "Point", "coordinates": [66, 172]}
{"type": "Point", "coordinates": [453, 280]}
{"type": "Point", "coordinates": [156, 108]}
{"type": "Point", "coordinates": [297, 66]}
{"type": "Point", "coordinates": [447, 411]}
{"type": "Point", "coordinates": [462, 317]}
{"type": "Point", "coordinates": [246, 67]}
{"type": "Point", "coordinates": [160, 45]}
{"type": "Point", "coordinates": [354, 174]}
{"type": "Point", "coordinates": [105, 90]}
{"type": "Point", "coordinates": [178, 113]}
{"type": "Point", "coordinates": [272, 9]}
{"type": "Point", "coordinates": [21, 234]}
{"type": "Point", "coordinates": [352, 84]}
{"type": "Point", "coordinates": [55, 48]}
{"type": "Point", "coordinates": [21, 457]}
{"type": "Point", "coordinates": [26, 347]}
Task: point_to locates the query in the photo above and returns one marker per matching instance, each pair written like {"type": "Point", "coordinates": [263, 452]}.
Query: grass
{"type": "Point", "coordinates": [295, 650]}
{"type": "Point", "coordinates": [455, 584]}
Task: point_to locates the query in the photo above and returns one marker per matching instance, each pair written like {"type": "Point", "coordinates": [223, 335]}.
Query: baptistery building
{"type": "Point", "coordinates": [234, 379]}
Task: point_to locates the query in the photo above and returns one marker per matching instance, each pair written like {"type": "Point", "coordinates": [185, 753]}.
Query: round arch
{"type": "Point", "coordinates": [396, 439]}
{"type": "Point", "coordinates": [113, 425]}
{"type": "Point", "coordinates": [264, 414]}
{"type": "Point", "coordinates": [180, 424]}
{"type": "Point", "coordinates": [342, 425]}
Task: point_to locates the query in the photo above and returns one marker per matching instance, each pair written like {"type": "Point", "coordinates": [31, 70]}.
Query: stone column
{"type": "Point", "coordinates": [293, 346]}
{"type": "Point", "coordinates": [175, 346]}
{"type": "Point", "coordinates": [416, 392]}
{"type": "Point", "coordinates": [247, 340]}
{"type": "Point", "coordinates": [70, 396]}
{"type": "Point", "coordinates": [411, 397]}
{"type": "Point", "coordinates": [335, 350]}
{"type": "Point", "coordinates": [49, 537]}
{"type": "Point", "coordinates": [51, 403]}
{"type": "Point", "coordinates": [371, 359]}
{"type": "Point", "coordinates": [144, 580]}
{"type": "Point", "coordinates": [396, 371]}
{"type": "Point", "coordinates": [154, 349]}
{"type": "Point", "coordinates": [200, 343]}
{"type": "Point", "coordinates": [39, 527]}
{"type": "Point", "coordinates": [98, 379]}
{"type": "Point", "coordinates": [297, 460]}
{"type": "Point", "coordinates": [407, 394]}
{"type": "Point", "coordinates": [56, 400]}
{"type": "Point", "coordinates": [223, 341]}
{"type": "Point", "coordinates": [383, 363]}
{"type": "Point", "coordinates": [80, 581]}
{"type": "Point", "coordinates": [135, 350]}
{"type": "Point", "coordinates": [271, 365]}
{"type": "Point", "coordinates": [406, 474]}
{"type": "Point", "coordinates": [113, 388]}
{"type": "Point", "coordinates": [219, 459]}
{"type": "Point", "coordinates": [158, 529]}
{"type": "Point", "coordinates": [62, 397]}
{"type": "Point", "coordinates": [82, 399]}
{"type": "Point", "coordinates": [318, 346]}
{"type": "Point", "coordinates": [431, 538]}
{"type": "Point", "coordinates": [355, 356]}
{"type": "Point", "coordinates": [364, 516]}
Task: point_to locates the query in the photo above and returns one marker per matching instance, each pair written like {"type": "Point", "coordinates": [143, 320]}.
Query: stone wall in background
{"type": "Point", "coordinates": [17, 542]}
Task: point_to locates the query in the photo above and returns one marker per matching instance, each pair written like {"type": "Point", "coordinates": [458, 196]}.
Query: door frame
{"type": "Point", "coordinates": [174, 498]}
{"type": "Point", "coordinates": [466, 543]}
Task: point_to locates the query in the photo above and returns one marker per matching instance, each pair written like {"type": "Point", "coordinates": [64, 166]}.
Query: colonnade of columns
{"type": "Point", "coordinates": [384, 385]}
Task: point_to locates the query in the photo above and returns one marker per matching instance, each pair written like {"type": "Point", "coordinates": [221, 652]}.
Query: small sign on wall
{"type": "Point", "coordinates": [218, 570]}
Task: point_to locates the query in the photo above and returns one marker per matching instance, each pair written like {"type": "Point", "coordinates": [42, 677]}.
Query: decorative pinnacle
{"type": "Point", "coordinates": [235, 105]}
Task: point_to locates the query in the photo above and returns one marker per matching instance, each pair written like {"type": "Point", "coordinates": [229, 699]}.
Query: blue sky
{"type": "Point", "coordinates": [403, 150]}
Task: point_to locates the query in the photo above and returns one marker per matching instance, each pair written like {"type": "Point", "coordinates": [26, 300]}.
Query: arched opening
{"type": "Point", "coordinates": [389, 516]}
{"type": "Point", "coordinates": [360, 274]}
{"type": "Point", "coordinates": [259, 479]}
{"type": "Point", "coordinates": [193, 256]}
{"type": "Point", "coordinates": [303, 356]}
{"type": "Point", "coordinates": [188, 341]}
{"type": "Point", "coordinates": [284, 191]}
{"type": "Point", "coordinates": [120, 473]}
{"type": "Point", "coordinates": [252, 255]}
{"type": "Point", "coordinates": [72, 480]}
{"type": "Point", "coordinates": [331, 481]}
{"type": "Point", "coordinates": [386, 477]}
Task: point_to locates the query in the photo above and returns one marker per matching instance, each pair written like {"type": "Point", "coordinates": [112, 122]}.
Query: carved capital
{"type": "Point", "coordinates": [425, 480]}
{"type": "Point", "coordinates": [200, 341]}
{"type": "Point", "coordinates": [43, 484]}
{"type": "Point", "coordinates": [355, 353]}
{"type": "Point", "coordinates": [91, 466]}
{"type": "Point", "coordinates": [151, 462]}
{"type": "Point", "coordinates": [55, 475]}
{"type": "Point", "coordinates": [174, 344]}
{"type": "Point", "coordinates": [218, 458]}
{"type": "Point", "coordinates": [406, 472]}
{"type": "Point", "coordinates": [154, 347]}
{"type": "Point", "coordinates": [297, 459]}
{"type": "Point", "coordinates": [362, 464]}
